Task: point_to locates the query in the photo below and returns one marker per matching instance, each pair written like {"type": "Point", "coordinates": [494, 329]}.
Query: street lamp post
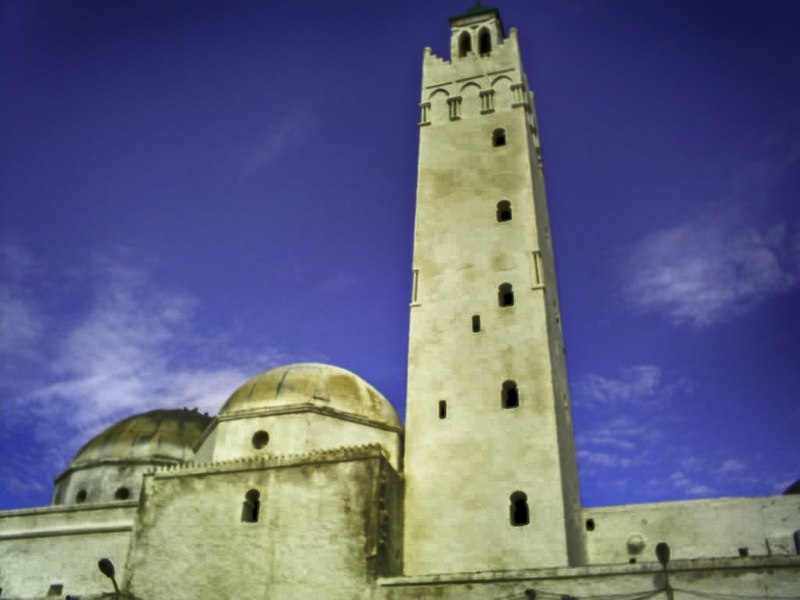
{"type": "Point", "coordinates": [662, 554]}
{"type": "Point", "coordinates": [107, 568]}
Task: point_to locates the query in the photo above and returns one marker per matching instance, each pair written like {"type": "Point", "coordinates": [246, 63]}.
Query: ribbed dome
{"type": "Point", "coordinates": [319, 384]}
{"type": "Point", "coordinates": [158, 434]}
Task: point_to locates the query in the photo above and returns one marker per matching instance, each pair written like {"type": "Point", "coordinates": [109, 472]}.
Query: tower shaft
{"type": "Point", "coordinates": [490, 460]}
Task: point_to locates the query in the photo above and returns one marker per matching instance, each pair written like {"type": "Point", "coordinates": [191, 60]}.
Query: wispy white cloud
{"type": "Point", "coordinates": [711, 268]}
{"type": "Point", "coordinates": [604, 459]}
{"type": "Point", "coordinates": [138, 349]}
{"type": "Point", "coordinates": [683, 483]}
{"type": "Point", "coordinates": [280, 135]}
{"type": "Point", "coordinates": [640, 384]}
{"type": "Point", "coordinates": [21, 322]}
{"type": "Point", "coordinates": [133, 347]}
{"type": "Point", "coordinates": [337, 283]}
{"type": "Point", "coordinates": [732, 466]}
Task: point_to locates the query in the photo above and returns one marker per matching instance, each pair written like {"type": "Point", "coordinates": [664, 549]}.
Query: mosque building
{"type": "Point", "coordinates": [307, 485]}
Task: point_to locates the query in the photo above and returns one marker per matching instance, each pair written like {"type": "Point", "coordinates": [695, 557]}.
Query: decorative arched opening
{"type": "Point", "coordinates": [510, 394]}
{"type": "Point", "coordinates": [503, 211]}
{"type": "Point", "coordinates": [499, 137]}
{"type": "Point", "coordinates": [122, 493]}
{"type": "Point", "coordinates": [251, 506]}
{"type": "Point", "coordinates": [518, 509]}
{"type": "Point", "coordinates": [464, 44]}
{"type": "Point", "coordinates": [505, 295]}
{"type": "Point", "coordinates": [484, 42]}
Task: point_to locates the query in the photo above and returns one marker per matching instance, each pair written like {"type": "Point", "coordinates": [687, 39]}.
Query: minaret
{"type": "Point", "coordinates": [490, 460]}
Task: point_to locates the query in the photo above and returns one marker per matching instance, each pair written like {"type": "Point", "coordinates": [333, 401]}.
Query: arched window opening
{"type": "Point", "coordinates": [505, 295]}
{"type": "Point", "coordinates": [122, 493]}
{"type": "Point", "coordinates": [251, 506]}
{"type": "Point", "coordinates": [260, 439]}
{"type": "Point", "coordinates": [476, 323]}
{"type": "Point", "coordinates": [464, 44]}
{"type": "Point", "coordinates": [499, 137]}
{"type": "Point", "coordinates": [442, 409]}
{"type": "Point", "coordinates": [589, 524]}
{"type": "Point", "coordinates": [518, 507]}
{"type": "Point", "coordinates": [484, 42]}
{"type": "Point", "coordinates": [503, 211]}
{"type": "Point", "coordinates": [81, 496]}
{"type": "Point", "coordinates": [510, 395]}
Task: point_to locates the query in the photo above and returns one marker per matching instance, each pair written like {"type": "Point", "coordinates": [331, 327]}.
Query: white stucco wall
{"type": "Point", "coordinates": [44, 546]}
{"type": "Point", "coordinates": [321, 529]}
{"type": "Point", "coordinates": [296, 432]}
{"type": "Point", "coordinates": [462, 470]}
{"type": "Point", "coordinates": [716, 527]}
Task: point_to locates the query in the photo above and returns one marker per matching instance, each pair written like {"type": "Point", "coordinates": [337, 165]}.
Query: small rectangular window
{"type": "Point", "coordinates": [442, 409]}
{"type": "Point", "coordinates": [476, 323]}
{"type": "Point", "coordinates": [56, 589]}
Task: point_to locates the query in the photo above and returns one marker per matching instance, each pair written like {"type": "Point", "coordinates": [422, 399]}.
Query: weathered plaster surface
{"type": "Point", "coordinates": [43, 546]}
{"type": "Point", "coordinates": [325, 524]}
{"type": "Point", "coordinates": [462, 470]}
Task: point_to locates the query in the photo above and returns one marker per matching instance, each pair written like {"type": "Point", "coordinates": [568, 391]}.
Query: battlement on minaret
{"type": "Point", "coordinates": [503, 56]}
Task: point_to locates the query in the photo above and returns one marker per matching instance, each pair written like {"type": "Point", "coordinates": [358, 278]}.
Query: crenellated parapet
{"type": "Point", "coordinates": [474, 84]}
{"type": "Point", "coordinates": [254, 463]}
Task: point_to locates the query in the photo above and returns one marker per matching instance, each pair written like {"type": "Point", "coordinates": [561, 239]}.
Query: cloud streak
{"type": "Point", "coordinates": [281, 135]}
{"type": "Point", "coordinates": [638, 384]}
{"type": "Point", "coordinates": [710, 269]}
{"type": "Point", "coordinates": [132, 348]}
{"type": "Point", "coordinates": [20, 318]}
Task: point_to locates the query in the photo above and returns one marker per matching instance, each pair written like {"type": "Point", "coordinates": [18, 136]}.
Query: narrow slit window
{"type": "Point", "coordinates": [251, 506]}
{"type": "Point", "coordinates": [464, 44]}
{"type": "Point", "coordinates": [510, 395]}
{"type": "Point", "coordinates": [518, 508]}
{"type": "Point", "coordinates": [505, 295]}
{"type": "Point", "coordinates": [484, 42]}
{"type": "Point", "coordinates": [476, 323]}
{"type": "Point", "coordinates": [499, 137]}
{"type": "Point", "coordinates": [538, 269]}
{"type": "Point", "coordinates": [503, 211]}
{"type": "Point", "coordinates": [442, 409]}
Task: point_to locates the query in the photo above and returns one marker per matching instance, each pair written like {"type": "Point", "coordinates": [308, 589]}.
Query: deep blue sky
{"type": "Point", "coordinates": [193, 192]}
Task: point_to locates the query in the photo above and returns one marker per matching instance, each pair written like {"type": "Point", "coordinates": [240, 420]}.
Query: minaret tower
{"type": "Point", "coordinates": [490, 460]}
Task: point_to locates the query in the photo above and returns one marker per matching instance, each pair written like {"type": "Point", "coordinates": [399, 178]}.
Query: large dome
{"type": "Point", "coordinates": [312, 383]}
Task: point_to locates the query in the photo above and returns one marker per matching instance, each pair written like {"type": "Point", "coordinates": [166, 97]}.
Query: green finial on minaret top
{"type": "Point", "coordinates": [476, 9]}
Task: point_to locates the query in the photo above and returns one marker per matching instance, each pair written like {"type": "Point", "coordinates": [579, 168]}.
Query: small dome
{"type": "Point", "coordinates": [168, 435]}
{"type": "Point", "coordinates": [312, 383]}
{"type": "Point", "coordinates": [110, 466]}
